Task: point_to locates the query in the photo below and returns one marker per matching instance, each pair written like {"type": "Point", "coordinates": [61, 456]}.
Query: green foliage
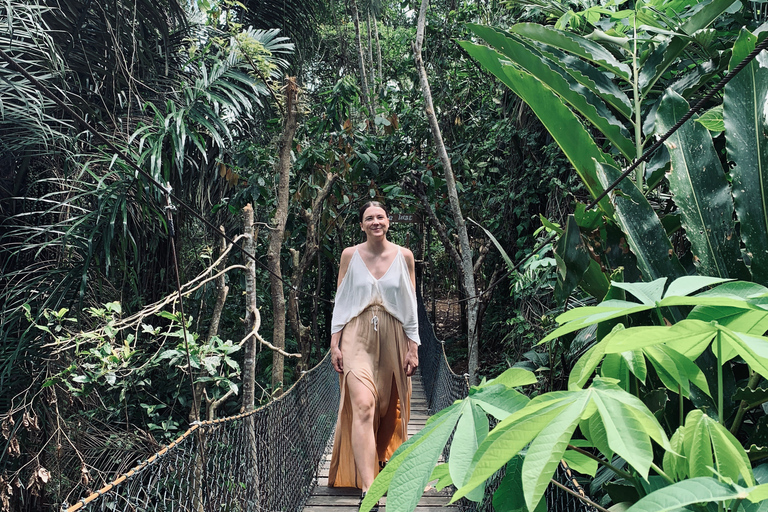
{"type": "Point", "coordinates": [130, 371]}
{"type": "Point", "coordinates": [410, 467]}
{"type": "Point", "coordinates": [700, 460]}
{"type": "Point", "coordinates": [605, 69]}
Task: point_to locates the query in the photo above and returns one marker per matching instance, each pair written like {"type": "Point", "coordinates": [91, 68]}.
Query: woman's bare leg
{"type": "Point", "coordinates": [363, 440]}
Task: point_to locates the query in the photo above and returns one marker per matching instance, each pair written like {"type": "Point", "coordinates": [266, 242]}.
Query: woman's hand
{"type": "Point", "coordinates": [336, 359]}
{"type": "Point", "coordinates": [411, 358]}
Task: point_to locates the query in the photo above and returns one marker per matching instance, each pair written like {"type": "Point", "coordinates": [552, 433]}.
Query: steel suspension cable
{"type": "Point", "coordinates": [164, 188]}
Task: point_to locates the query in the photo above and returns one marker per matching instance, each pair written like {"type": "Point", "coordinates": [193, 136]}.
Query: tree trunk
{"type": "Point", "coordinates": [222, 290]}
{"type": "Point", "coordinates": [370, 56]}
{"type": "Point", "coordinates": [249, 357]}
{"type": "Point", "coordinates": [361, 60]}
{"type": "Point", "coordinates": [466, 268]}
{"type": "Point", "coordinates": [378, 52]}
{"type": "Point", "coordinates": [249, 350]}
{"type": "Point", "coordinates": [278, 231]}
{"type": "Point", "coordinates": [301, 264]}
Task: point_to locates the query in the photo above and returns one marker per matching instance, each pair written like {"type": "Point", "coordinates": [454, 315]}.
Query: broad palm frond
{"type": "Point", "coordinates": [217, 102]}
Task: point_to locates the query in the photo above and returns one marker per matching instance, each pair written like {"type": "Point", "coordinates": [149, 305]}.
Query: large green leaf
{"type": "Point", "coordinates": [498, 400]}
{"type": "Point", "coordinates": [676, 497]}
{"type": "Point", "coordinates": [655, 256]}
{"type": "Point", "coordinates": [580, 462]}
{"type": "Point", "coordinates": [412, 464]}
{"type": "Point", "coordinates": [614, 366]}
{"type": "Point", "coordinates": [584, 368]}
{"type": "Point", "coordinates": [592, 78]}
{"type": "Point", "coordinates": [471, 430]}
{"type": "Point", "coordinates": [572, 260]}
{"type": "Point", "coordinates": [575, 45]}
{"type": "Point", "coordinates": [509, 497]}
{"type": "Point", "coordinates": [546, 450]}
{"type": "Point", "coordinates": [736, 295]}
{"type": "Point", "coordinates": [736, 319]}
{"type": "Point", "coordinates": [701, 192]}
{"type": "Point", "coordinates": [575, 141]}
{"type": "Point", "coordinates": [628, 424]}
{"type": "Point", "coordinates": [744, 114]}
{"type": "Point", "coordinates": [514, 377]}
{"type": "Point", "coordinates": [674, 463]}
{"type": "Point", "coordinates": [554, 76]}
{"type": "Point", "coordinates": [512, 435]}
{"type": "Point", "coordinates": [677, 45]}
{"type": "Point", "coordinates": [691, 338]}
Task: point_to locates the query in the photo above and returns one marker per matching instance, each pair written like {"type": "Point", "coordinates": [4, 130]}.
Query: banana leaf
{"type": "Point", "coordinates": [744, 115]}
{"type": "Point", "coordinates": [701, 192]}
{"type": "Point", "coordinates": [646, 236]}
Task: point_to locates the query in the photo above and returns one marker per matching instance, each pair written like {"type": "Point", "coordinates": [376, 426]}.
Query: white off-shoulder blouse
{"type": "Point", "coordinates": [394, 292]}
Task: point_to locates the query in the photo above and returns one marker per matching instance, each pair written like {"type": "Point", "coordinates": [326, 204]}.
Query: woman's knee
{"type": "Point", "coordinates": [363, 410]}
{"type": "Point", "coordinates": [362, 400]}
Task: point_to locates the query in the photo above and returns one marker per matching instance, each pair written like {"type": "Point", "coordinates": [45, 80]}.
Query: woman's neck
{"type": "Point", "coordinates": [377, 245]}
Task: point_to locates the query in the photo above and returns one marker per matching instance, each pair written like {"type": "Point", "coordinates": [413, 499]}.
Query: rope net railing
{"type": "Point", "coordinates": [263, 460]}
{"type": "Point", "coordinates": [443, 388]}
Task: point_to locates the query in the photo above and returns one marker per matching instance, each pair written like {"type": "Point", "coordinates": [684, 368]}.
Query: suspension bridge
{"type": "Point", "coordinates": [276, 458]}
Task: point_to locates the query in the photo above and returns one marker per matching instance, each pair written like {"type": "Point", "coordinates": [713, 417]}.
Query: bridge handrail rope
{"type": "Point", "coordinates": [263, 444]}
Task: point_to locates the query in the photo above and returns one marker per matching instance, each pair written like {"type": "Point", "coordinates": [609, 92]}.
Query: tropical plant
{"type": "Point", "coordinates": [613, 79]}
{"type": "Point", "coordinates": [605, 416]}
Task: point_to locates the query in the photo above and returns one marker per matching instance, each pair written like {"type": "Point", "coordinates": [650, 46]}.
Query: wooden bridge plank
{"type": "Point", "coordinates": [330, 499]}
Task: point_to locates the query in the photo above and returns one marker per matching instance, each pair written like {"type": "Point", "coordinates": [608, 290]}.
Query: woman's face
{"type": "Point", "coordinates": [375, 222]}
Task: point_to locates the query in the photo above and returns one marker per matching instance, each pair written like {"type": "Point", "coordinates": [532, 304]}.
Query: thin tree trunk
{"type": "Point", "coordinates": [222, 291]}
{"type": "Point", "coordinates": [278, 231]}
{"type": "Point", "coordinates": [316, 302]}
{"type": "Point", "coordinates": [249, 350]}
{"type": "Point", "coordinates": [361, 60]}
{"type": "Point", "coordinates": [301, 264]}
{"type": "Point", "coordinates": [467, 275]}
{"type": "Point", "coordinates": [378, 52]}
{"type": "Point", "coordinates": [370, 56]}
{"type": "Point", "coordinates": [249, 358]}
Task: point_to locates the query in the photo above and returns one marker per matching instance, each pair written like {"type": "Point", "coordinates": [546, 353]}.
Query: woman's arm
{"type": "Point", "coordinates": [336, 358]}
{"type": "Point", "coordinates": [412, 356]}
{"type": "Point", "coordinates": [410, 261]}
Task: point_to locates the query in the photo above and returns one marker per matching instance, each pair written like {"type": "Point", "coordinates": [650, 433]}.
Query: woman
{"type": "Point", "coordinates": [374, 347]}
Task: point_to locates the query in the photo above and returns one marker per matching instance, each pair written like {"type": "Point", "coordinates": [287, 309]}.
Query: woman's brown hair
{"type": "Point", "coordinates": [367, 205]}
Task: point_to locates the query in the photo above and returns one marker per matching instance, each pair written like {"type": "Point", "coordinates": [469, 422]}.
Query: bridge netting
{"type": "Point", "coordinates": [263, 460]}
{"type": "Point", "coordinates": [267, 460]}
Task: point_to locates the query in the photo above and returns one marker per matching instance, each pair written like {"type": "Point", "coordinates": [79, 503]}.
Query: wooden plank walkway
{"type": "Point", "coordinates": [328, 499]}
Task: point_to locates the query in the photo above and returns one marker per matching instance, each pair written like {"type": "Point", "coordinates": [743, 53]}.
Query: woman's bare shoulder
{"type": "Point", "coordinates": [346, 255]}
{"type": "Point", "coordinates": [407, 254]}
{"type": "Point", "coordinates": [348, 252]}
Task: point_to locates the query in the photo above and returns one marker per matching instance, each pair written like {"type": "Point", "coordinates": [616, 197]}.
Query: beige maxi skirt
{"type": "Point", "coordinates": [373, 347]}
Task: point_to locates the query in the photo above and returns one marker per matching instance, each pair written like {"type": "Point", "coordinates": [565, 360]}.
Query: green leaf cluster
{"type": "Point", "coordinates": [603, 416]}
